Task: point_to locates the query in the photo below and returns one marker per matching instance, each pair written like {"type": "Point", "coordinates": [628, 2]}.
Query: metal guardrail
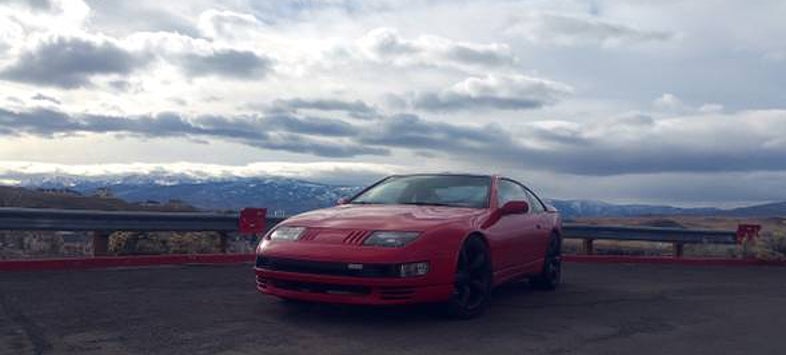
{"type": "Point", "coordinates": [677, 236]}
{"type": "Point", "coordinates": [102, 223]}
{"type": "Point", "coordinates": [84, 220]}
{"type": "Point", "coordinates": [43, 219]}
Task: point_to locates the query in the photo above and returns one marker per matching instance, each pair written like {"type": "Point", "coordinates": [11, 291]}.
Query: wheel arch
{"type": "Point", "coordinates": [482, 237]}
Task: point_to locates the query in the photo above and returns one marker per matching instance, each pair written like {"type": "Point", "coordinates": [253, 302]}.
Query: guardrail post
{"type": "Point", "coordinates": [100, 243]}
{"type": "Point", "coordinates": [678, 250]}
{"type": "Point", "coordinates": [224, 242]}
{"type": "Point", "coordinates": [588, 248]}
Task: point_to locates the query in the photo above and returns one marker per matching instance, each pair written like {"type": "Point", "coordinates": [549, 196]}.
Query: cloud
{"type": "Point", "coordinates": [301, 144]}
{"type": "Point", "coordinates": [238, 64]}
{"type": "Point", "coordinates": [71, 62]}
{"type": "Point", "coordinates": [672, 104]}
{"type": "Point", "coordinates": [668, 102]}
{"type": "Point", "coordinates": [745, 141]}
{"type": "Point", "coordinates": [355, 109]}
{"type": "Point", "coordinates": [412, 132]}
{"type": "Point", "coordinates": [42, 97]}
{"type": "Point", "coordinates": [501, 92]}
{"type": "Point", "coordinates": [311, 125]}
{"type": "Point", "coordinates": [386, 45]}
{"type": "Point", "coordinates": [202, 57]}
{"type": "Point", "coordinates": [570, 30]}
{"type": "Point", "coordinates": [276, 132]}
{"type": "Point", "coordinates": [227, 24]}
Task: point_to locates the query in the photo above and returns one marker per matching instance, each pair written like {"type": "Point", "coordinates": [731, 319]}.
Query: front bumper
{"type": "Point", "coordinates": [331, 282]}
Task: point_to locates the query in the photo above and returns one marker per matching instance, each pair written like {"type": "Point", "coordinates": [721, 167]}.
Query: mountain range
{"type": "Point", "coordinates": [286, 196]}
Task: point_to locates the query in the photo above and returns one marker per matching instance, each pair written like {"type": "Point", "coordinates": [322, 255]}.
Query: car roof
{"type": "Point", "coordinates": [447, 174]}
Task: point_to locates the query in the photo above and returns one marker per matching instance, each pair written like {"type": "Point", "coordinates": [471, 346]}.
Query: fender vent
{"type": "Point", "coordinates": [355, 237]}
{"type": "Point", "coordinates": [310, 234]}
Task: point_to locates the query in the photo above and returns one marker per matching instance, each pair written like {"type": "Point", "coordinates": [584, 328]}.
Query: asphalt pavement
{"type": "Point", "coordinates": [601, 309]}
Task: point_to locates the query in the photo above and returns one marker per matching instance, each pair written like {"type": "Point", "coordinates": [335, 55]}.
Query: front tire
{"type": "Point", "coordinates": [473, 280]}
{"type": "Point", "coordinates": [551, 276]}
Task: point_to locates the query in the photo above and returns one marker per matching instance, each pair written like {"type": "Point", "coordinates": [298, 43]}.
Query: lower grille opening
{"type": "Point", "coordinates": [397, 293]}
{"type": "Point", "coordinates": [327, 268]}
{"type": "Point", "coordinates": [321, 288]}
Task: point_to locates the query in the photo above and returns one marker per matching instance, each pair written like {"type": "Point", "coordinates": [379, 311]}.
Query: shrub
{"type": "Point", "coordinates": [772, 246]}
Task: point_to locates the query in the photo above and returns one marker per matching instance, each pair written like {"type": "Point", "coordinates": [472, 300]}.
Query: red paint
{"type": "Point", "coordinates": [747, 232]}
{"type": "Point", "coordinates": [626, 259]}
{"type": "Point", "coordinates": [422, 289]}
{"type": "Point", "coordinates": [122, 261]}
{"type": "Point", "coordinates": [252, 221]}
{"type": "Point", "coordinates": [511, 239]}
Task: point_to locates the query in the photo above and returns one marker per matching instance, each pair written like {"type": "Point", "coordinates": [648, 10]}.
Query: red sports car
{"type": "Point", "coordinates": [444, 238]}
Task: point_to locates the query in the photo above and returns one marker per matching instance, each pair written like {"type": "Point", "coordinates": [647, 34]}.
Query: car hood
{"type": "Point", "coordinates": [384, 217]}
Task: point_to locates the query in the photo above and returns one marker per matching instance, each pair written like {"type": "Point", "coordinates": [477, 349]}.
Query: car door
{"type": "Point", "coordinates": [542, 231]}
{"type": "Point", "coordinates": [519, 230]}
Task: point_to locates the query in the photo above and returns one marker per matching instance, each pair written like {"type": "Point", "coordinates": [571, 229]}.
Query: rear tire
{"type": "Point", "coordinates": [472, 282]}
{"type": "Point", "coordinates": [551, 276]}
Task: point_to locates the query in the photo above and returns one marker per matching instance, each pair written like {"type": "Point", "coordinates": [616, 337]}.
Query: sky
{"type": "Point", "coordinates": [678, 102]}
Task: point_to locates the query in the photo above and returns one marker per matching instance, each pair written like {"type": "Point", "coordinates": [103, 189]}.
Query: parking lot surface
{"type": "Point", "coordinates": [601, 309]}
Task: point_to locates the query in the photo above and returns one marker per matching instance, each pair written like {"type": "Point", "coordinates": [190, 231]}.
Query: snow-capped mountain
{"type": "Point", "coordinates": [588, 208]}
{"type": "Point", "coordinates": [281, 195]}
{"type": "Point", "coordinates": [288, 196]}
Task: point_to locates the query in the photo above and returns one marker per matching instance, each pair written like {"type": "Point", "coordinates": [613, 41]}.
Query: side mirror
{"type": "Point", "coordinates": [514, 207]}
{"type": "Point", "coordinates": [342, 201]}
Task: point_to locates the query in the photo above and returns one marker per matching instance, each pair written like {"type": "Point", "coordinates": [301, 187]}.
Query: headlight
{"type": "Point", "coordinates": [286, 233]}
{"type": "Point", "coordinates": [390, 239]}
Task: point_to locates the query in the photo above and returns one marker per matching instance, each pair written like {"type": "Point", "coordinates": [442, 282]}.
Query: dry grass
{"type": "Point", "coordinates": [151, 243]}
{"type": "Point", "coordinates": [771, 244]}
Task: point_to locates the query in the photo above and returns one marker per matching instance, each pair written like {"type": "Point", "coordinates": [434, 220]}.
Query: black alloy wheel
{"type": "Point", "coordinates": [472, 285]}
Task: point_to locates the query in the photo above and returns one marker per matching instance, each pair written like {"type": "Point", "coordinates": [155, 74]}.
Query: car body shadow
{"type": "Point", "coordinates": [287, 309]}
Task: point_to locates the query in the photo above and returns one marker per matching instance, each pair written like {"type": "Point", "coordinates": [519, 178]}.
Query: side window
{"type": "Point", "coordinates": [510, 191]}
{"type": "Point", "coordinates": [534, 204]}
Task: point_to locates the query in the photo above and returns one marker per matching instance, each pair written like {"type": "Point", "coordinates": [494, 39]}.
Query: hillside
{"type": "Point", "coordinates": [22, 197]}
{"type": "Point", "coordinates": [768, 210]}
{"type": "Point", "coordinates": [284, 195]}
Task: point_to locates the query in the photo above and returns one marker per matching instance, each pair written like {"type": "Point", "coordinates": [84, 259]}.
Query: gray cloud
{"type": "Point", "coordinates": [42, 97]}
{"type": "Point", "coordinates": [493, 55]}
{"type": "Point", "coordinates": [37, 5]}
{"type": "Point", "coordinates": [356, 109]}
{"type": "Point", "coordinates": [386, 45]}
{"type": "Point", "coordinates": [227, 62]}
{"type": "Point", "coordinates": [70, 62]}
{"type": "Point", "coordinates": [138, 16]}
{"type": "Point", "coordinates": [450, 101]}
{"type": "Point", "coordinates": [617, 146]}
{"type": "Point", "coordinates": [626, 145]}
{"type": "Point", "coordinates": [301, 144]}
{"type": "Point", "coordinates": [278, 132]}
{"type": "Point", "coordinates": [514, 92]}
{"type": "Point", "coordinates": [562, 29]}
{"type": "Point", "coordinates": [312, 125]}
{"type": "Point", "coordinates": [411, 131]}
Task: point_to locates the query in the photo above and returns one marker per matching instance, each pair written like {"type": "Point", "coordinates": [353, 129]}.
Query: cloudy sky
{"type": "Point", "coordinates": [680, 102]}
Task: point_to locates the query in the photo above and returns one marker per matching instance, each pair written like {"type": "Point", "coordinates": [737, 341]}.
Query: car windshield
{"type": "Point", "coordinates": [436, 190]}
